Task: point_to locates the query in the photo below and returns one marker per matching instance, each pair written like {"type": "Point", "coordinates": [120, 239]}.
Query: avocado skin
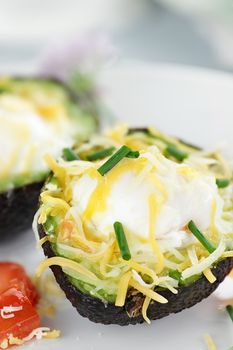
{"type": "Point", "coordinates": [107, 313]}
{"type": "Point", "coordinates": [17, 208]}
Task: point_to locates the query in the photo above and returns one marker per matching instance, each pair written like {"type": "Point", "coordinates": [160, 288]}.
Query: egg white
{"type": "Point", "coordinates": [24, 132]}
{"type": "Point", "coordinates": [189, 196]}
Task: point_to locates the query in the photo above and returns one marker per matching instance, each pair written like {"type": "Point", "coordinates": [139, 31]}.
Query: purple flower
{"type": "Point", "coordinates": [83, 54]}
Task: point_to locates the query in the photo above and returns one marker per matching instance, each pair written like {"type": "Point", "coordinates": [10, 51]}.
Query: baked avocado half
{"type": "Point", "coordinates": [137, 225]}
{"type": "Point", "coordinates": [37, 116]}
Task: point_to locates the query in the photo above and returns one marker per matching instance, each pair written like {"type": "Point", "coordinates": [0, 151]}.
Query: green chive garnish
{"type": "Point", "coordinates": [201, 238]}
{"type": "Point", "coordinates": [133, 154]}
{"type": "Point", "coordinates": [121, 240]}
{"type": "Point", "coordinates": [229, 309]}
{"type": "Point", "coordinates": [222, 183]}
{"type": "Point", "coordinates": [69, 155]}
{"type": "Point", "coordinates": [101, 154]}
{"type": "Point", "coordinates": [116, 158]}
{"type": "Point", "coordinates": [176, 153]}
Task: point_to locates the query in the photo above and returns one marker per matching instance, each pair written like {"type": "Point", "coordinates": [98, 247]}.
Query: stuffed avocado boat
{"type": "Point", "coordinates": [36, 116]}
{"type": "Point", "coordinates": [136, 225]}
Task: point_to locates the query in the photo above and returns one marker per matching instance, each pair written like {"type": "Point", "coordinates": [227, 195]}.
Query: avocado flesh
{"type": "Point", "coordinates": [104, 294]}
{"type": "Point", "coordinates": [21, 180]}
{"type": "Point", "coordinates": [100, 311]}
{"type": "Point", "coordinates": [19, 193]}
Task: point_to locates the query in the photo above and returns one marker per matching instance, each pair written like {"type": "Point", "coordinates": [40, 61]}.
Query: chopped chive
{"type": "Point", "coordinates": [116, 158]}
{"type": "Point", "coordinates": [133, 154]}
{"type": "Point", "coordinates": [101, 154]}
{"type": "Point", "coordinates": [201, 238]}
{"type": "Point", "coordinates": [69, 155]}
{"type": "Point", "coordinates": [175, 152]}
{"type": "Point", "coordinates": [229, 309]}
{"type": "Point", "coordinates": [222, 183]}
{"type": "Point", "coordinates": [121, 240]}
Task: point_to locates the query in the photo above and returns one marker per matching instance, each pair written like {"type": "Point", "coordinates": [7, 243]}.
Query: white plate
{"type": "Point", "coordinates": [191, 103]}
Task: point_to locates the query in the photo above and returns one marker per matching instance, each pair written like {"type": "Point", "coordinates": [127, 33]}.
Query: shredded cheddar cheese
{"type": "Point", "coordinates": [143, 269]}
{"type": "Point", "coordinates": [153, 241]}
{"type": "Point", "coordinates": [209, 275]}
{"type": "Point", "coordinates": [66, 263]}
{"type": "Point", "coordinates": [148, 292]}
{"type": "Point", "coordinates": [42, 241]}
{"type": "Point", "coordinates": [145, 308]}
{"type": "Point", "coordinates": [210, 342]}
{"type": "Point", "coordinates": [228, 254]}
{"type": "Point", "coordinates": [38, 333]}
{"type": "Point", "coordinates": [213, 228]}
{"type": "Point", "coordinates": [58, 171]}
{"type": "Point", "coordinates": [122, 289]}
{"type": "Point", "coordinates": [106, 258]}
{"type": "Point", "coordinates": [89, 244]}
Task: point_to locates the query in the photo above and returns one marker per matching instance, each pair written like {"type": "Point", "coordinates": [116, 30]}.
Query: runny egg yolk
{"type": "Point", "coordinates": [151, 194]}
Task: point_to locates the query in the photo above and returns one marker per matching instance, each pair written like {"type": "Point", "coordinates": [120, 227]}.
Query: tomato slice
{"type": "Point", "coordinates": [14, 275]}
{"type": "Point", "coordinates": [24, 320]}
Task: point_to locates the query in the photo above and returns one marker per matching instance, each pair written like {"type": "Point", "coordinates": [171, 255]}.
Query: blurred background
{"type": "Point", "coordinates": [190, 32]}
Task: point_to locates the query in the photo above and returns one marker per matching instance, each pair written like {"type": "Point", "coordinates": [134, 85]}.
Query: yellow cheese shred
{"type": "Point", "coordinates": [118, 133]}
{"type": "Point", "coordinates": [210, 342]}
{"type": "Point", "coordinates": [145, 308]}
{"type": "Point", "coordinates": [133, 143]}
{"type": "Point", "coordinates": [52, 334]}
{"type": "Point", "coordinates": [122, 289]}
{"type": "Point", "coordinates": [184, 265]}
{"type": "Point", "coordinates": [58, 171]}
{"type": "Point", "coordinates": [66, 263]}
{"type": "Point", "coordinates": [143, 269]}
{"type": "Point", "coordinates": [148, 292]}
{"type": "Point", "coordinates": [106, 258]}
{"type": "Point", "coordinates": [155, 246]}
{"type": "Point", "coordinates": [228, 254]}
{"type": "Point", "coordinates": [57, 203]}
{"type": "Point", "coordinates": [213, 228]}
{"type": "Point", "coordinates": [68, 233]}
{"type": "Point", "coordinates": [209, 275]}
{"type": "Point", "coordinates": [42, 241]}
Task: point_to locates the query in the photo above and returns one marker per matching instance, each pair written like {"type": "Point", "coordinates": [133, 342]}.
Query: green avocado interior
{"type": "Point", "coordinates": [43, 92]}
{"type": "Point", "coordinates": [106, 288]}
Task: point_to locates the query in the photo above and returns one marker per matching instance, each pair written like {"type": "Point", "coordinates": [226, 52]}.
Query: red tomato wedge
{"type": "Point", "coordinates": [14, 275]}
{"type": "Point", "coordinates": [16, 290]}
{"type": "Point", "coordinates": [24, 321]}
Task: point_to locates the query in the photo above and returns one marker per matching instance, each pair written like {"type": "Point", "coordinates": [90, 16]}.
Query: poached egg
{"type": "Point", "coordinates": [150, 194]}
